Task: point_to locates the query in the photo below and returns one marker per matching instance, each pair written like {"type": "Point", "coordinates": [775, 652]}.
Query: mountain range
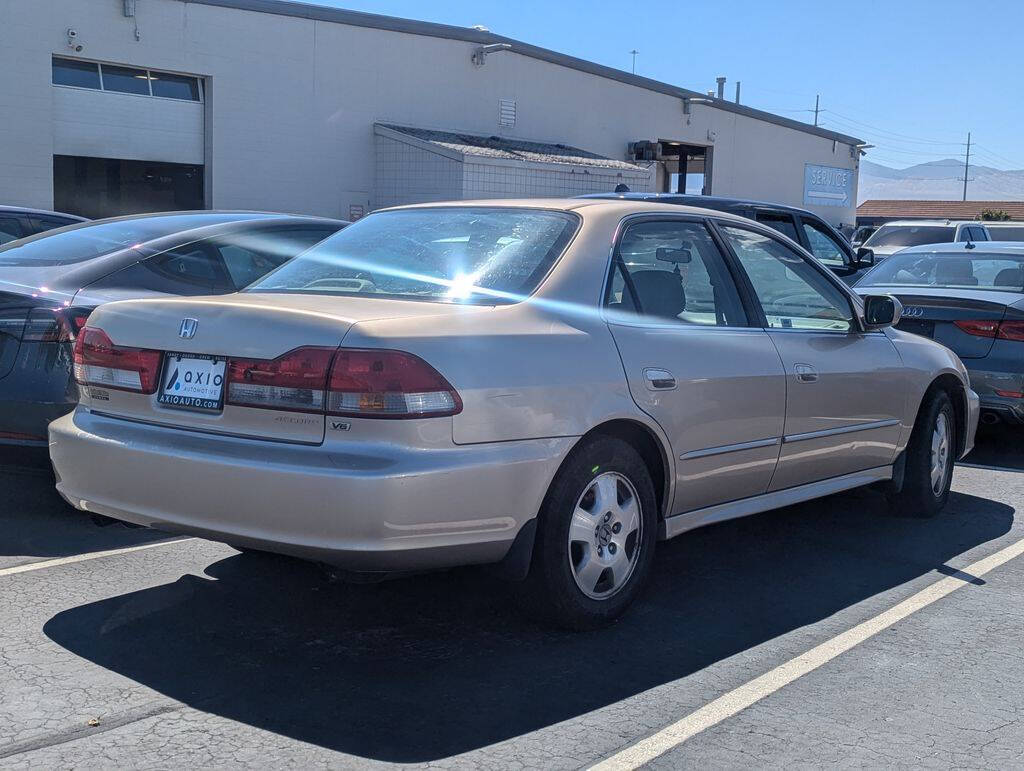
{"type": "Point", "coordinates": [938, 181]}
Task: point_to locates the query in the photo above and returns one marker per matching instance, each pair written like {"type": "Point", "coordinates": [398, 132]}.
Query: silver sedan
{"type": "Point", "coordinates": [550, 385]}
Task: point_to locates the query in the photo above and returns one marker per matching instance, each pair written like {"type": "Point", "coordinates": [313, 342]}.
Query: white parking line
{"type": "Point", "coordinates": [735, 701]}
{"type": "Point", "coordinates": [93, 555]}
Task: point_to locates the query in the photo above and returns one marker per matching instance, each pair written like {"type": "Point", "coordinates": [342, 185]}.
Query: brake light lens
{"type": "Point", "coordinates": [978, 328]}
{"type": "Point", "coordinates": [1012, 330]}
{"type": "Point", "coordinates": [375, 383]}
{"type": "Point", "coordinates": [293, 381]}
{"type": "Point", "coordinates": [97, 361]}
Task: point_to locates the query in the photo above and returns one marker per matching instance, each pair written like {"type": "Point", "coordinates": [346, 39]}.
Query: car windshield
{"type": "Point", "coordinates": [956, 270]}
{"type": "Point", "coordinates": [442, 254]}
{"type": "Point", "coordinates": [85, 242]}
{"type": "Point", "coordinates": [911, 235]}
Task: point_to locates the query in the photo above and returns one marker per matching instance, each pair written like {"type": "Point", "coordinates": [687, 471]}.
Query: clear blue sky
{"type": "Point", "coordinates": [910, 76]}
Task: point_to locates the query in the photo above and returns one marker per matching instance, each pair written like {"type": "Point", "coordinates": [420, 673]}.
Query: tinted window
{"type": "Point", "coordinates": [91, 240]}
{"type": "Point", "coordinates": [196, 264]}
{"type": "Point", "coordinates": [823, 245]}
{"type": "Point", "coordinates": [911, 235]}
{"type": "Point", "coordinates": [673, 271]}
{"type": "Point", "coordinates": [1008, 233]}
{"type": "Point", "coordinates": [250, 256]}
{"type": "Point", "coordinates": [68, 72]}
{"type": "Point", "coordinates": [41, 224]}
{"type": "Point", "coordinates": [10, 228]}
{"type": "Point", "coordinates": [978, 234]}
{"type": "Point", "coordinates": [174, 86]}
{"type": "Point", "coordinates": [793, 294]}
{"type": "Point", "coordinates": [443, 254]}
{"type": "Point", "coordinates": [125, 79]}
{"type": "Point", "coordinates": [780, 222]}
{"type": "Point", "coordinates": [954, 270]}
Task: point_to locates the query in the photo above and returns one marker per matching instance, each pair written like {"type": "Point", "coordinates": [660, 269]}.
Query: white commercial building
{"type": "Point", "coordinates": [114, 106]}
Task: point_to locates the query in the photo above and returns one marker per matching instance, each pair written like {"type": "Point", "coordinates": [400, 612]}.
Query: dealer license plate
{"type": "Point", "coordinates": [192, 381]}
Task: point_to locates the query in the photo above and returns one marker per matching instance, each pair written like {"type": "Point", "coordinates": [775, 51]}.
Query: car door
{"type": "Point", "coordinates": [693, 362]}
{"type": "Point", "coordinates": [845, 387]}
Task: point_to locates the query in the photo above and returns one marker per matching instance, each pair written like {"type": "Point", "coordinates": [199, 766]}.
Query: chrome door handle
{"type": "Point", "coordinates": [805, 373]}
{"type": "Point", "coordinates": [659, 379]}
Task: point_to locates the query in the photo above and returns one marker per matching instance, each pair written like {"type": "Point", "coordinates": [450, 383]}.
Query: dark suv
{"type": "Point", "coordinates": [807, 229]}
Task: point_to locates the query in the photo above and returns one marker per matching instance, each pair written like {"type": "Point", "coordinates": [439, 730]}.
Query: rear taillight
{"type": "Point", "coordinates": [372, 383]}
{"type": "Point", "coordinates": [293, 381]}
{"type": "Point", "coordinates": [1004, 330]}
{"type": "Point", "coordinates": [54, 325]}
{"type": "Point", "coordinates": [1011, 330]}
{"type": "Point", "coordinates": [978, 328]}
{"type": "Point", "coordinates": [99, 362]}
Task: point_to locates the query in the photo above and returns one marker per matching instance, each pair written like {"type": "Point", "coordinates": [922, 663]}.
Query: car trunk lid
{"type": "Point", "coordinates": [200, 338]}
{"type": "Point", "coordinates": [953, 321]}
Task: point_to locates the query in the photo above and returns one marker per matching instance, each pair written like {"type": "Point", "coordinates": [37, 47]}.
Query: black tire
{"type": "Point", "coordinates": [919, 497]}
{"type": "Point", "coordinates": [551, 589]}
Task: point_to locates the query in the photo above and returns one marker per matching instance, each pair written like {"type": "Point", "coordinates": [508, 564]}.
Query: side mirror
{"type": "Point", "coordinates": [865, 256]}
{"type": "Point", "coordinates": [881, 311]}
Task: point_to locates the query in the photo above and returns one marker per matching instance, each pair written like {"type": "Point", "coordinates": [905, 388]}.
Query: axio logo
{"type": "Point", "coordinates": [188, 328]}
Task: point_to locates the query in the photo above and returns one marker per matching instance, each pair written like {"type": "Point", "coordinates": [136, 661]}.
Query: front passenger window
{"type": "Point", "coordinates": [793, 294]}
{"type": "Point", "coordinates": [672, 271]}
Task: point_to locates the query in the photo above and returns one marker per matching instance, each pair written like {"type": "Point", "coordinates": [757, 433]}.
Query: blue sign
{"type": "Point", "coordinates": [827, 186]}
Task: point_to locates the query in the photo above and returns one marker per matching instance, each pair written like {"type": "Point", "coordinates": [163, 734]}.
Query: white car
{"type": "Point", "coordinates": [899, 234]}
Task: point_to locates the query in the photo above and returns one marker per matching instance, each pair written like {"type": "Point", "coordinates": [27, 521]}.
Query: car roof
{"type": "Point", "coordinates": [44, 212]}
{"type": "Point", "coordinates": [700, 201]}
{"type": "Point", "coordinates": [1009, 248]}
{"type": "Point", "coordinates": [624, 206]}
{"type": "Point", "coordinates": [912, 223]}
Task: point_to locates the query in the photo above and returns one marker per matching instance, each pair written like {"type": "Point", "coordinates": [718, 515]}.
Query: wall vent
{"type": "Point", "coordinates": [507, 113]}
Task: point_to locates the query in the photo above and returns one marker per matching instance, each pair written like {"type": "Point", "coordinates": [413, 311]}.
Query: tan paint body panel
{"type": "Point", "coordinates": [534, 377]}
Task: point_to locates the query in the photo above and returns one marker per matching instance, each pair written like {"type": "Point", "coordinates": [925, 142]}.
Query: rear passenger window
{"type": "Point", "coordinates": [190, 265]}
{"type": "Point", "coordinates": [672, 271]}
{"type": "Point", "coordinates": [10, 229]}
{"type": "Point", "coordinates": [780, 222]}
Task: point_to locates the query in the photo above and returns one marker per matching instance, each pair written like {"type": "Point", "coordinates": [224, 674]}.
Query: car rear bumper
{"type": "Point", "coordinates": [363, 507]}
{"type": "Point", "coordinates": [988, 384]}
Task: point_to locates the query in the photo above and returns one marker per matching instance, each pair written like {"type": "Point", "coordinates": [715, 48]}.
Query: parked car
{"type": "Point", "coordinates": [969, 297]}
{"type": "Point", "coordinates": [18, 222]}
{"type": "Point", "coordinates": [900, 234]}
{"type": "Point", "coordinates": [49, 284]}
{"type": "Point", "coordinates": [861, 234]}
{"type": "Point", "coordinates": [805, 228]}
{"type": "Point", "coordinates": [550, 385]}
{"type": "Point", "coordinates": [1006, 231]}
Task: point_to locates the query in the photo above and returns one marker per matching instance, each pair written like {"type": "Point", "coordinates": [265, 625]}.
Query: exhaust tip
{"type": "Point", "coordinates": [990, 418]}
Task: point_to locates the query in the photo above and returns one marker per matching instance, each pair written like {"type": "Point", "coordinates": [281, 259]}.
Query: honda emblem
{"type": "Point", "coordinates": [188, 328]}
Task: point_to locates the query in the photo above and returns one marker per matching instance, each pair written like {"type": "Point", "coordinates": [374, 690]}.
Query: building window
{"type": "Point", "coordinates": [125, 80]}
{"type": "Point", "coordinates": [69, 72]}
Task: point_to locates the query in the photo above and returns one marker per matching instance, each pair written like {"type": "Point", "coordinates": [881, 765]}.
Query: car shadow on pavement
{"type": "Point", "coordinates": [1000, 448]}
{"type": "Point", "coordinates": [426, 667]}
{"type": "Point", "coordinates": [35, 522]}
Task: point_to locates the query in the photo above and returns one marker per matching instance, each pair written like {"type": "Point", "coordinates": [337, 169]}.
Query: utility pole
{"type": "Point", "coordinates": [634, 52]}
{"type": "Point", "coordinates": [816, 98]}
{"type": "Point", "coordinates": [967, 163]}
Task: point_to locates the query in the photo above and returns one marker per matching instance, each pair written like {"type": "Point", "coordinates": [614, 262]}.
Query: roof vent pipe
{"type": "Point", "coordinates": [737, 92]}
{"type": "Point", "coordinates": [720, 80]}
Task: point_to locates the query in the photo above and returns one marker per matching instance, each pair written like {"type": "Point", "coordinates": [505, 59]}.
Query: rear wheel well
{"type": "Point", "coordinates": [643, 440]}
{"type": "Point", "coordinates": [954, 388]}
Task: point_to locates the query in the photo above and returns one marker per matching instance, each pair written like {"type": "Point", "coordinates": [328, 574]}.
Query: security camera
{"type": "Point", "coordinates": [72, 33]}
{"type": "Point", "coordinates": [72, 37]}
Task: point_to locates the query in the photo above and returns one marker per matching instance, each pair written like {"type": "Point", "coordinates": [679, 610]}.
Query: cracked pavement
{"type": "Point", "coordinates": [192, 654]}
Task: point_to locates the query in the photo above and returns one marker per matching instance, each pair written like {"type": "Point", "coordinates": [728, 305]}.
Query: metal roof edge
{"type": "Point", "coordinates": [470, 35]}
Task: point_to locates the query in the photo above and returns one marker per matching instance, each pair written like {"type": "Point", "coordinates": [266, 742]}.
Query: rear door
{"type": "Point", "coordinates": [845, 387]}
{"type": "Point", "coordinates": [693, 362]}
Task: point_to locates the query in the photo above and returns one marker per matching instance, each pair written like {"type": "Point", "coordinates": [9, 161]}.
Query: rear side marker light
{"type": "Point", "coordinates": [1010, 394]}
{"type": "Point", "coordinates": [292, 381]}
{"type": "Point", "coordinates": [376, 383]}
{"type": "Point", "coordinates": [97, 361]}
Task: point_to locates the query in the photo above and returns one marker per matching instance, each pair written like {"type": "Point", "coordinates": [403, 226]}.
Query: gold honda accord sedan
{"type": "Point", "coordinates": [550, 385]}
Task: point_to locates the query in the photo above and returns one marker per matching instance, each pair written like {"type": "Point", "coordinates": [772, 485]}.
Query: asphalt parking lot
{"type": "Point", "coordinates": [191, 654]}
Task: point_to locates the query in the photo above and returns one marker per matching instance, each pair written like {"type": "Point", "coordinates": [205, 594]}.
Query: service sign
{"type": "Point", "coordinates": [827, 186]}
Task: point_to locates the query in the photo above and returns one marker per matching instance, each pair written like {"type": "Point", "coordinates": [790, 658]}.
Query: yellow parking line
{"type": "Point", "coordinates": [735, 701]}
{"type": "Point", "coordinates": [93, 555]}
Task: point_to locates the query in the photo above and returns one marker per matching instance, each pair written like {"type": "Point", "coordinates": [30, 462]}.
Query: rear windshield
{"type": "Point", "coordinates": [442, 254]}
{"type": "Point", "coordinates": [911, 235]}
{"type": "Point", "coordinates": [955, 271]}
{"type": "Point", "coordinates": [79, 243]}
